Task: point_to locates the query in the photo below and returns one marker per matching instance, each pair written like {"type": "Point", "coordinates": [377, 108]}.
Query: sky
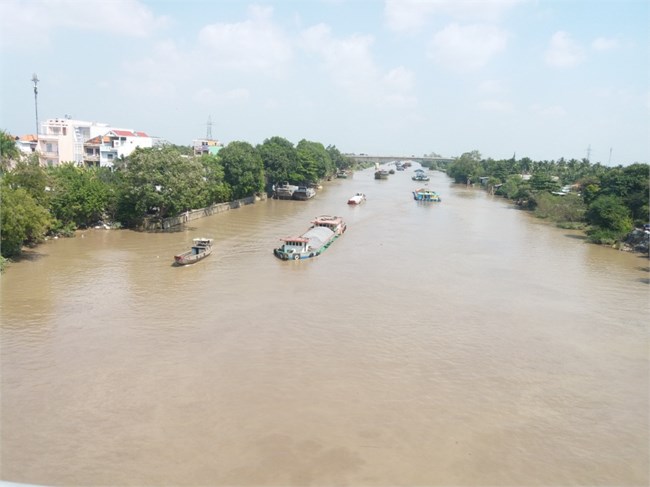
{"type": "Point", "coordinates": [526, 78]}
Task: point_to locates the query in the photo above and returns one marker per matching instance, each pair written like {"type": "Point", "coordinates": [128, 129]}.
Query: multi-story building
{"type": "Point", "coordinates": [105, 149]}
{"type": "Point", "coordinates": [206, 146]}
{"type": "Point", "coordinates": [90, 143]}
{"type": "Point", "coordinates": [61, 140]}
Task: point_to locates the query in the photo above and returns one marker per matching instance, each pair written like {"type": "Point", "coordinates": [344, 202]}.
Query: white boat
{"type": "Point", "coordinates": [357, 199]}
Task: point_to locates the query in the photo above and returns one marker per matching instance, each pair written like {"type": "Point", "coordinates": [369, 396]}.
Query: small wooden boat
{"type": "Point", "coordinates": [200, 250]}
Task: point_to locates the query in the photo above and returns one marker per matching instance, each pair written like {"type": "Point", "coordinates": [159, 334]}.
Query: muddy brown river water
{"type": "Point", "coordinates": [460, 343]}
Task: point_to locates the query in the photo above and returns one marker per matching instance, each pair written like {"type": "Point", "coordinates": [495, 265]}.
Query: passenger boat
{"type": "Point", "coordinates": [323, 231]}
{"type": "Point", "coordinates": [304, 193]}
{"type": "Point", "coordinates": [424, 194]}
{"type": "Point", "coordinates": [357, 199]}
{"type": "Point", "coordinates": [200, 250]}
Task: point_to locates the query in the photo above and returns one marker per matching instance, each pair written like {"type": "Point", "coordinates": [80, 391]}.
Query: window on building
{"type": "Point", "coordinates": [48, 147]}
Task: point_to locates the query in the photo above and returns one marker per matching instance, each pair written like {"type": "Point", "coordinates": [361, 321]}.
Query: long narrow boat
{"type": "Point", "coordinates": [323, 231]}
{"type": "Point", "coordinates": [200, 250]}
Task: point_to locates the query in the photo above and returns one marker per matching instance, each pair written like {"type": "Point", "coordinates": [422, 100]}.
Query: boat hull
{"type": "Point", "coordinates": [188, 257]}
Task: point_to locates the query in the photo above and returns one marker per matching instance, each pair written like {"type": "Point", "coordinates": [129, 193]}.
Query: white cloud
{"type": "Point", "coordinates": [563, 51]}
{"type": "Point", "coordinates": [468, 47]}
{"type": "Point", "coordinates": [413, 15]}
{"type": "Point", "coordinates": [605, 44]}
{"type": "Point", "coordinates": [255, 44]}
{"type": "Point", "coordinates": [349, 64]}
{"type": "Point", "coordinates": [29, 24]}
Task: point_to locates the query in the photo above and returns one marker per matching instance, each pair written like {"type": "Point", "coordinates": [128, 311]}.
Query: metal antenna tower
{"type": "Point", "coordinates": [209, 134]}
{"type": "Point", "coordinates": [589, 153]}
{"type": "Point", "coordinates": [609, 162]}
{"type": "Point", "coordinates": [35, 81]}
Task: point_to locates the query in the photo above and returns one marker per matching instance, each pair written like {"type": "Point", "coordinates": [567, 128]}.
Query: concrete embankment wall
{"type": "Point", "coordinates": [188, 216]}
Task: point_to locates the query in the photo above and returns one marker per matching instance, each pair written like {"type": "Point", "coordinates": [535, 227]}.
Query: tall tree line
{"type": "Point", "coordinates": [155, 182]}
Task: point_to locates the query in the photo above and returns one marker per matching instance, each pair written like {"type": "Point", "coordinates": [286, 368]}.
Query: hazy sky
{"type": "Point", "coordinates": [536, 78]}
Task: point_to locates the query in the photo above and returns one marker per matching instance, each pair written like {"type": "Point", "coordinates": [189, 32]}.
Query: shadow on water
{"type": "Point", "coordinates": [29, 256]}
{"type": "Point", "coordinates": [576, 237]}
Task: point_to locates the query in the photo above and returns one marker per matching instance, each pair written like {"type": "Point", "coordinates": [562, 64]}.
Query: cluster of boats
{"type": "Point", "coordinates": [319, 236]}
{"type": "Point", "coordinates": [286, 191]}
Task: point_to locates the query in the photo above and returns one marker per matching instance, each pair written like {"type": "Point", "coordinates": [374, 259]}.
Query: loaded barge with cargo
{"type": "Point", "coordinates": [324, 230]}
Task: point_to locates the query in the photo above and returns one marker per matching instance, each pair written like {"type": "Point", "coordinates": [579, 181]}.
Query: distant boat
{"type": "Point", "coordinates": [304, 193]}
{"type": "Point", "coordinates": [200, 250]}
{"type": "Point", "coordinates": [357, 199]}
{"type": "Point", "coordinates": [424, 194]}
{"type": "Point", "coordinates": [381, 174]}
{"type": "Point", "coordinates": [342, 175]}
{"type": "Point", "coordinates": [420, 176]}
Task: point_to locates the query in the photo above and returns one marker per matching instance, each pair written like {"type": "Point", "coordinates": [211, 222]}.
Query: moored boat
{"type": "Point", "coordinates": [357, 199]}
{"type": "Point", "coordinates": [200, 250]}
{"type": "Point", "coordinates": [284, 191]}
{"type": "Point", "coordinates": [324, 230]}
{"type": "Point", "coordinates": [303, 193]}
{"type": "Point", "coordinates": [424, 194]}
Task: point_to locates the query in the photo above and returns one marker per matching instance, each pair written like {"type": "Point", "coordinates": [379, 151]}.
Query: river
{"type": "Point", "coordinates": [453, 343]}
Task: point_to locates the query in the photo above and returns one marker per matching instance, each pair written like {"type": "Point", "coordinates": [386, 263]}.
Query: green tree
{"type": "Point", "coordinates": [29, 175]}
{"type": "Point", "coordinates": [466, 168]}
{"type": "Point", "coordinates": [8, 151]}
{"type": "Point", "coordinates": [280, 161]}
{"type": "Point", "coordinates": [79, 195]}
{"type": "Point", "coordinates": [609, 213]}
{"type": "Point", "coordinates": [243, 169]}
{"type": "Point", "coordinates": [22, 219]}
{"type": "Point", "coordinates": [314, 161]}
{"type": "Point", "coordinates": [218, 190]}
{"type": "Point", "coordinates": [339, 161]}
{"type": "Point", "coordinates": [161, 182]}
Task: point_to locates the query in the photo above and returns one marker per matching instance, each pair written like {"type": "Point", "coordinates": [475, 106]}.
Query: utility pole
{"type": "Point", "coordinates": [609, 162]}
{"type": "Point", "coordinates": [209, 134]}
{"type": "Point", "coordinates": [35, 81]}
{"type": "Point", "coordinates": [589, 153]}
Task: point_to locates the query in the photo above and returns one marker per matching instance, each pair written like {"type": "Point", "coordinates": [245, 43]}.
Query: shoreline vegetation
{"type": "Point", "coordinates": [610, 204]}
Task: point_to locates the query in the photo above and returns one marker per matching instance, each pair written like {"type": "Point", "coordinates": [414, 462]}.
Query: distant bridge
{"type": "Point", "coordinates": [385, 159]}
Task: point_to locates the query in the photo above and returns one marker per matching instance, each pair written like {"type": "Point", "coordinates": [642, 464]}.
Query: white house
{"type": "Point", "coordinates": [62, 139]}
{"type": "Point", "coordinates": [121, 143]}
